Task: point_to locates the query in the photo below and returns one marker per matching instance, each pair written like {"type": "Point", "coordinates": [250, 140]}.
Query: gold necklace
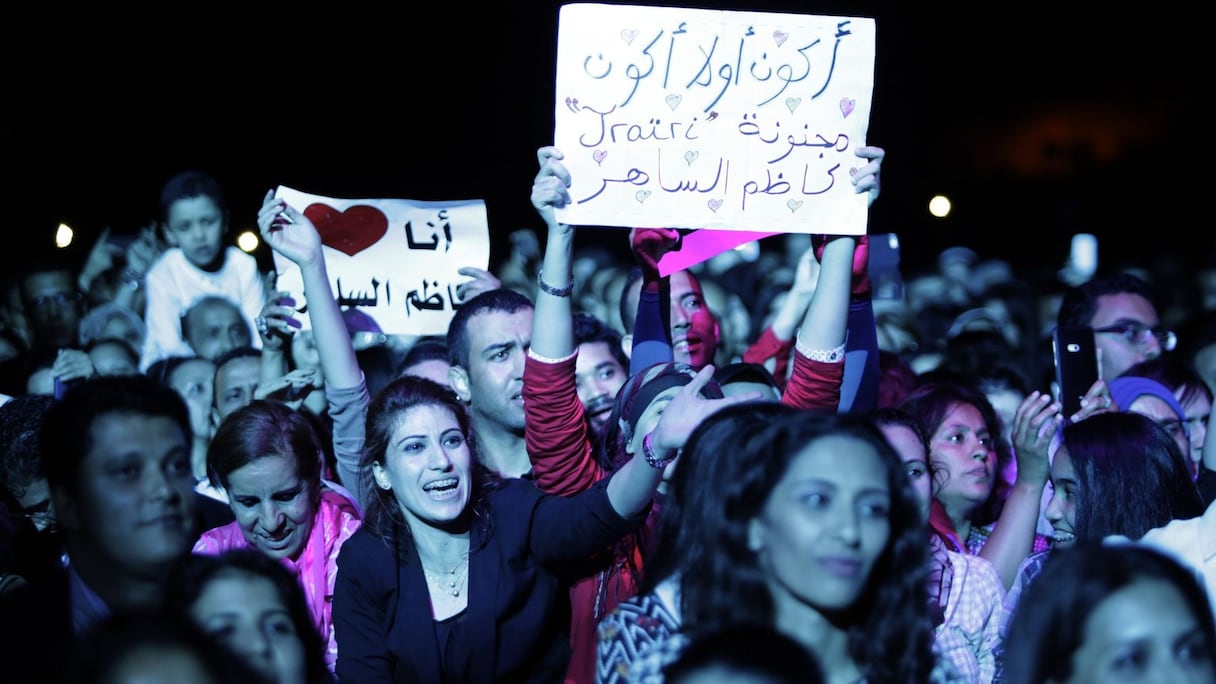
{"type": "Point", "coordinates": [449, 582]}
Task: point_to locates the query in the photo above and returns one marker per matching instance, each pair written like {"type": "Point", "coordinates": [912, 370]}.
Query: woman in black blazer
{"type": "Point", "coordinates": [458, 575]}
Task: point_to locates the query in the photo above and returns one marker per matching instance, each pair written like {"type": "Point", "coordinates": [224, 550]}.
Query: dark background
{"type": "Point", "coordinates": [1037, 119]}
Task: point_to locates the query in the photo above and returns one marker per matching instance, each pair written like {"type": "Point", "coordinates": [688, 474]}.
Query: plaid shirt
{"type": "Point", "coordinates": [970, 634]}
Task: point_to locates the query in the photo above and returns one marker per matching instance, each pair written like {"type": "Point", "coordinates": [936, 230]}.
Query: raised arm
{"type": "Point", "coordinates": [776, 341]}
{"type": "Point", "coordinates": [819, 368]}
{"type": "Point", "coordinates": [553, 319]}
{"type": "Point", "coordinates": [556, 429]}
{"type": "Point", "coordinates": [1037, 419]}
{"type": "Point", "coordinates": [819, 356]}
{"type": "Point", "coordinates": [275, 325]}
{"type": "Point", "coordinates": [859, 387]}
{"type": "Point", "coordinates": [291, 234]}
{"type": "Point", "coordinates": [651, 338]}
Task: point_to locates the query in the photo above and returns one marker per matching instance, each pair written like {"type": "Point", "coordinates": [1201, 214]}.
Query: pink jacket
{"type": "Point", "coordinates": [336, 520]}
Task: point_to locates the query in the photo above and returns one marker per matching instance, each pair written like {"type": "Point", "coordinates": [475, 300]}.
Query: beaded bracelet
{"type": "Point", "coordinates": [555, 291]}
{"type": "Point", "coordinates": [652, 458]}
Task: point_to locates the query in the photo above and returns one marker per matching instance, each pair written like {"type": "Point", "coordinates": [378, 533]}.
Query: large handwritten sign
{"type": "Point", "coordinates": [713, 119]}
{"type": "Point", "coordinates": [393, 262]}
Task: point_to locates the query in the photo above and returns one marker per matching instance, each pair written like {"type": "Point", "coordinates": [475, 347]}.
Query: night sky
{"type": "Point", "coordinates": [1039, 119]}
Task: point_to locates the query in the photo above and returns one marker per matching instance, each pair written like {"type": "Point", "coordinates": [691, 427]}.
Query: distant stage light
{"type": "Point", "coordinates": [63, 236]}
{"type": "Point", "coordinates": [939, 206]}
{"type": "Point", "coordinates": [248, 241]}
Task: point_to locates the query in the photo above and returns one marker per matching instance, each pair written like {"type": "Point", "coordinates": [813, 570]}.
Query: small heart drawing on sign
{"type": "Point", "coordinates": [641, 195]}
{"type": "Point", "coordinates": [792, 103]}
{"type": "Point", "coordinates": [599, 155]}
{"type": "Point", "coordinates": [779, 37]}
{"type": "Point", "coordinates": [350, 231]}
{"type": "Point", "coordinates": [628, 35]}
{"type": "Point", "coordinates": [794, 205]}
{"type": "Point", "coordinates": [673, 101]}
{"type": "Point", "coordinates": [691, 156]}
{"type": "Point", "coordinates": [714, 204]}
{"type": "Point", "coordinates": [846, 106]}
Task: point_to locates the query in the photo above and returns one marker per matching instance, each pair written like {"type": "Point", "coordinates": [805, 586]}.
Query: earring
{"type": "Point", "coordinates": [383, 483]}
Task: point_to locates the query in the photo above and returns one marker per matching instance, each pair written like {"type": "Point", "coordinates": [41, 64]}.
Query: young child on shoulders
{"type": "Point", "coordinates": [199, 262]}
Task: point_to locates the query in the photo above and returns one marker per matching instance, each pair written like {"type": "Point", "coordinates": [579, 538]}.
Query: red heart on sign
{"type": "Point", "coordinates": [350, 231]}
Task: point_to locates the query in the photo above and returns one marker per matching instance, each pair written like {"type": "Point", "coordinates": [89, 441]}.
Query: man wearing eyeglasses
{"type": "Point", "coordinates": [1120, 309]}
{"type": "Point", "coordinates": [54, 306]}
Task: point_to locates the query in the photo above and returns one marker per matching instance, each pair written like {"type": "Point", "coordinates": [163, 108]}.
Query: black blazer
{"type": "Point", "coordinates": [518, 614]}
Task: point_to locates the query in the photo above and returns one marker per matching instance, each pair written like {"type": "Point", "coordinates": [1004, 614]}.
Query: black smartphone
{"type": "Point", "coordinates": [61, 387]}
{"type": "Point", "coordinates": [1076, 361]}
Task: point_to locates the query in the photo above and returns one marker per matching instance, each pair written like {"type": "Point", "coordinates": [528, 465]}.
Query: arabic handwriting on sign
{"type": "Point", "coordinates": [357, 299]}
{"type": "Point", "coordinates": [693, 58]}
{"type": "Point", "coordinates": [434, 243]}
{"type": "Point", "coordinates": [831, 181]}
{"type": "Point", "coordinates": [635, 176]}
{"type": "Point", "coordinates": [693, 185]}
{"type": "Point", "coordinates": [603, 69]}
{"type": "Point", "coordinates": [424, 301]}
{"type": "Point", "coordinates": [753, 128]}
{"type": "Point", "coordinates": [842, 30]}
{"type": "Point", "coordinates": [778, 186]}
{"type": "Point", "coordinates": [840, 144]}
{"type": "Point", "coordinates": [637, 73]}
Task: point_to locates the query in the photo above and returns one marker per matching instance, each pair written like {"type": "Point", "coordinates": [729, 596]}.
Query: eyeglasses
{"type": "Point", "coordinates": [41, 516]}
{"type": "Point", "coordinates": [1139, 334]}
{"type": "Point", "coordinates": [57, 300]}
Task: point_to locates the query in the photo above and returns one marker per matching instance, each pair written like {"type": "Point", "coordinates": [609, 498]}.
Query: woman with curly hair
{"type": "Point", "coordinates": [797, 519]}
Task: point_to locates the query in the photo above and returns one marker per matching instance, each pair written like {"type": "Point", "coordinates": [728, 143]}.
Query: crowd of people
{"type": "Point", "coordinates": [776, 468]}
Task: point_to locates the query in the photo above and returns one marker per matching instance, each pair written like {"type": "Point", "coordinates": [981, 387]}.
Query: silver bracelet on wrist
{"type": "Point", "coordinates": [550, 290]}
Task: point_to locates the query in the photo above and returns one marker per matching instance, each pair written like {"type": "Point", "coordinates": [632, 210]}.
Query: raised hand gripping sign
{"type": "Point", "coordinates": [392, 263]}
{"type": "Point", "coordinates": [713, 119]}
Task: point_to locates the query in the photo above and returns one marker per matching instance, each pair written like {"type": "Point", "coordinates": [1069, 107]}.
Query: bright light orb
{"type": "Point", "coordinates": [63, 236]}
{"type": "Point", "coordinates": [248, 241]}
{"type": "Point", "coordinates": [939, 206]}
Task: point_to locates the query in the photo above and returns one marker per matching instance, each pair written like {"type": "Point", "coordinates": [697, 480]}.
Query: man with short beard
{"type": "Point", "coordinates": [600, 368]}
